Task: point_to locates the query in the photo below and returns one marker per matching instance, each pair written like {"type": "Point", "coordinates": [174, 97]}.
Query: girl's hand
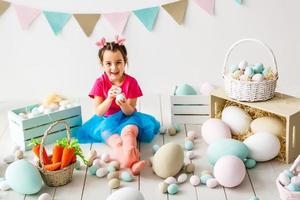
{"type": "Point", "coordinates": [113, 92]}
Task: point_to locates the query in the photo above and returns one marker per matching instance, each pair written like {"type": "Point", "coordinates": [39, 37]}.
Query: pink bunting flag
{"type": "Point", "coordinates": [207, 5]}
{"type": "Point", "coordinates": [26, 15]}
{"type": "Point", "coordinates": [118, 20]}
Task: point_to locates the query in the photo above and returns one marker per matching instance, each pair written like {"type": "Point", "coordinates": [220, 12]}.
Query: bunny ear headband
{"type": "Point", "coordinates": [102, 42]}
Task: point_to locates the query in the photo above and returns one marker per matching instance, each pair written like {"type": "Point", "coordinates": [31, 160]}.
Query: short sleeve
{"type": "Point", "coordinates": [97, 89]}
{"type": "Point", "coordinates": [134, 90]}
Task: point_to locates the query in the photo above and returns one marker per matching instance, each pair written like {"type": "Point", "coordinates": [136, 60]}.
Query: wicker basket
{"type": "Point", "coordinates": [249, 91]}
{"type": "Point", "coordinates": [284, 193]}
{"type": "Point", "coordinates": [58, 177]}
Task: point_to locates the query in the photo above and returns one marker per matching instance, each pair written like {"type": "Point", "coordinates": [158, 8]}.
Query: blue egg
{"type": "Point", "coordinates": [204, 178]}
{"type": "Point", "coordinates": [266, 71]}
{"type": "Point", "coordinates": [249, 71]}
{"type": "Point", "coordinates": [126, 176]}
{"type": "Point", "coordinates": [92, 170]}
{"type": "Point", "coordinates": [172, 189]}
{"type": "Point", "coordinates": [233, 68]}
{"type": "Point", "coordinates": [188, 145]}
{"type": "Point", "coordinates": [288, 173]}
{"type": "Point", "coordinates": [185, 89]}
{"type": "Point", "coordinates": [155, 148]}
{"type": "Point", "coordinates": [258, 68]}
{"type": "Point", "coordinates": [77, 165]}
{"type": "Point", "coordinates": [254, 198]}
{"type": "Point", "coordinates": [111, 168]}
{"type": "Point", "coordinates": [250, 163]}
{"type": "Point", "coordinates": [177, 127]}
{"type": "Point", "coordinates": [293, 187]}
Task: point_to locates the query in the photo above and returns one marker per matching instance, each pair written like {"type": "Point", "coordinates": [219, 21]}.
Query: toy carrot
{"type": "Point", "coordinates": [67, 157]}
{"type": "Point", "coordinates": [53, 166]}
{"type": "Point", "coordinates": [36, 150]}
{"type": "Point", "coordinates": [57, 152]}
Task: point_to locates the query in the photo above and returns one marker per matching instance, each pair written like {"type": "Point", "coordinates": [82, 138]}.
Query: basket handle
{"type": "Point", "coordinates": [250, 40]}
{"type": "Point", "coordinates": [46, 134]}
{"type": "Point", "coordinates": [295, 164]}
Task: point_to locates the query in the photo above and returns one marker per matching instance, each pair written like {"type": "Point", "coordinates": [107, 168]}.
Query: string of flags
{"type": "Point", "coordinates": [118, 20]}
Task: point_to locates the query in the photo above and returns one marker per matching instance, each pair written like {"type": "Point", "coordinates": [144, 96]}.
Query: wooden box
{"type": "Point", "coordinates": [23, 130]}
{"type": "Point", "coordinates": [189, 109]}
{"type": "Point", "coordinates": [283, 106]}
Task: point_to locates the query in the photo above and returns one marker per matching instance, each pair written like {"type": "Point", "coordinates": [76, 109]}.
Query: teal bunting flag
{"type": "Point", "coordinates": [57, 20]}
{"type": "Point", "coordinates": [147, 16]}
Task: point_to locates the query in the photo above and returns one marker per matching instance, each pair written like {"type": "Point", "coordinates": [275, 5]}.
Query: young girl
{"type": "Point", "coordinates": [117, 122]}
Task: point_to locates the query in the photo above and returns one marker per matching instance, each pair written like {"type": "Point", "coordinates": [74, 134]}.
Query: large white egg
{"type": "Point", "coordinates": [215, 129]}
{"type": "Point", "coordinates": [262, 146]}
{"type": "Point", "coordinates": [126, 193]}
{"type": "Point", "coordinates": [267, 124]}
{"type": "Point", "coordinates": [237, 119]}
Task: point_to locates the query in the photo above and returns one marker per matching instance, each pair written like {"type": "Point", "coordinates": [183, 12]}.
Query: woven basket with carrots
{"type": "Point", "coordinates": [57, 169]}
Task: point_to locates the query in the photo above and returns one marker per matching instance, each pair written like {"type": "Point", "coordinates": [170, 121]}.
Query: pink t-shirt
{"type": "Point", "coordinates": [130, 88]}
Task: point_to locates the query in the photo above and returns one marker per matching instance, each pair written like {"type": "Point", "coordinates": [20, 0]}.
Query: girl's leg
{"type": "Point", "coordinates": [115, 142]}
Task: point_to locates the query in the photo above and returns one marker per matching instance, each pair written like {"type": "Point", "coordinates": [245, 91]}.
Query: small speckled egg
{"type": "Point", "coordinates": [205, 172]}
{"type": "Point", "coordinates": [195, 180]}
{"type": "Point", "coordinates": [254, 198]}
{"type": "Point", "coordinates": [250, 163]}
{"type": "Point", "coordinates": [243, 64]}
{"type": "Point", "coordinates": [249, 71]}
{"type": "Point", "coordinates": [155, 148]}
{"type": "Point", "coordinates": [126, 176]}
{"type": "Point", "coordinates": [105, 157]}
{"type": "Point", "coordinates": [19, 154]}
{"type": "Point", "coordinates": [288, 173]}
{"type": "Point", "coordinates": [112, 175]}
{"type": "Point", "coordinates": [245, 77]}
{"type": "Point", "coordinates": [4, 186]}
{"type": "Point", "coordinates": [257, 77]}
{"type": "Point", "coordinates": [190, 154]}
{"type": "Point", "coordinates": [172, 131]}
{"type": "Point", "coordinates": [189, 168]}
{"type": "Point", "coordinates": [258, 68]}
{"type": "Point", "coordinates": [111, 168]}
{"type": "Point", "coordinates": [163, 130]}
{"type": "Point", "coordinates": [97, 162]}
{"type": "Point", "coordinates": [205, 178]}
{"type": "Point", "coordinates": [233, 68]}
{"type": "Point", "coordinates": [293, 187]}
{"type": "Point", "coordinates": [45, 196]}
{"type": "Point", "coordinates": [237, 74]}
{"type": "Point", "coordinates": [188, 145]}
{"type": "Point", "coordinates": [92, 170]}
{"type": "Point", "coordinates": [295, 180]}
{"type": "Point", "coordinates": [78, 165]}
{"type": "Point", "coordinates": [182, 178]}
{"type": "Point", "coordinates": [101, 172]}
{"type": "Point", "coordinates": [120, 97]}
{"type": "Point", "coordinates": [284, 179]}
{"type": "Point", "coordinates": [163, 187]}
{"type": "Point", "coordinates": [114, 183]}
{"type": "Point", "coordinates": [9, 159]}
{"type": "Point", "coordinates": [116, 164]}
{"type": "Point", "coordinates": [172, 189]}
{"type": "Point", "coordinates": [192, 134]}
{"type": "Point", "coordinates": [170, 180]}
{"type": "Point", "coordinates": [212, 183]}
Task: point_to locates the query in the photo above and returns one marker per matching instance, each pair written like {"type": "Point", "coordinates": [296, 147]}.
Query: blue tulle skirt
{"type": "Point", "coordinates": [92, 131]}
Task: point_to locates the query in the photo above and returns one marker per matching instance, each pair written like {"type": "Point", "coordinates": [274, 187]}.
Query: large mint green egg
{"type": "Point", "coordinates": [23, 177]}
{"type": "Point", "coordinates": [185, 89]}
{"type": "Point", "coordinates": [224, 147]}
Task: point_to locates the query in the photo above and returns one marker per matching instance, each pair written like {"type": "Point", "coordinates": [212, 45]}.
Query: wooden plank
{"type": "Point", "coordinates": [190, 99]}
{"type": "Point", "coordinates": [193, 110]}
{"type": "Point", "coordinates": [148, 180]}
{"type": "Point", "coordinates": [189, 119]}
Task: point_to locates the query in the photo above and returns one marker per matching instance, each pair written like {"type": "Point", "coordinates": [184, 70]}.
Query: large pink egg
{"type": "Point", "coordinates": [229, 171]}
{"type": "Point", "coordinates": [215, 129]}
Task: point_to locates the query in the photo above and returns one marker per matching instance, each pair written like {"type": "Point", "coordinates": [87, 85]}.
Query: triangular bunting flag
{"type": "Point", "coordinates": [57, 20]}
{"type": "Point", "coordinates": [207, 5]}
{"type": "Point", "coordinates": [240, 2]}
{"type": "Point", "coordinates": [176, 10]}
{"type": "Point", "coordinates": [26, 15]}
{"type": "Point", "coordinates": [87, 22]}
{"type": "Point", "coordinates": [3, 6]}
{"type": "Point", "coordinates": [117, 20]}
{"type": "Point", "coordinates": [147, 16]}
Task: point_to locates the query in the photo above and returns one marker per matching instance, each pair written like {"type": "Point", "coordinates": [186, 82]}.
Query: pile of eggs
{"type": "Point", "coordinates": [40, 110]}
{"type": "Point", "coordinates": [186, 89]}
{"type": "Point", "coordinates": [245, 72]}
{"type": "Point", "coordinates": [290, 180]}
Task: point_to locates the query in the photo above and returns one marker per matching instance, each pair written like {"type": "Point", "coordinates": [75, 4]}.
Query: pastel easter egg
{"type": "Point", "coordinates": [105, 157]}
{"type": "Point", "coordinates": [243, 64]}
{"type": "Point", "coordinates": [126, 193]}
{"type": "Point", "coordinates": [257, 77]}
{"type": "Point", "coordinates": [182, 178]}
{"type": "Point", "coordinates": [126, 176]}
{"type": "Point", "coordinates": [214, 129]}
{"type": "Point", "coordinates": [78, 165]}
{"type": "Point", "coordinates": [284, 179]}
{"type": "Point", "coordinates": [177, 127]}
{"type": "Point", "coordinates": [295, 180]}
{"type": "Point", "coordinates": [236, 74]}
{"type": "Point", "coordinates": [192, 134]}
{"type": "Point", "coordinates": [195, 180]}
{"type": "Point", "coordinates": [170, 180]}
{"type": "Point", "coordinates": [4, 186]}
{"type": "Point", "coordinates": [189, 168]}
{"type": "Point", "coordinates": [101, 172]}
{"type": "Point", "coordinates": [229, 171]}
{"type": "Point", "coordinates": [185, 89]}
{"type": "Point", "coordinates": [114, 183]}
{"type": "Point", "coordinates": [93, 169]}
{"type": "Point", "coordinates": [225, 147]}
{"type": "Point", "coordinates": [249, 71]}
{"type": "Point", "coordinates": [172, 131]}
{"type": "Point", "coordinates": [254, 198]}
{"type": "Point", "coordinates": [97, 162]}
{"type": "Point", "coordinates": [244, 77]}
{"type": "Point", "coordinates": [112, 175]}
{"type": "Point", "coordinates": [155, 148]}
{"type": "Point", "coordinates": [163, 187]}
{"type": "Point", "coordinates": [23, 177]}
{"type": "Point", "coordinates": [190, 154]}
{"type": "Point", "coordinates": [293, 187]}
{"type": "Point", "coordinates": [237, 119]}
{"type": "Point", "coordinates": [205, 178]}
{"type": "Point", "coordinates": [212, 183]}
{"type": "Point", "coordinates": [45, 196]}
{"type": "Point", "coordinates": [120, 97]}
{"type": "Point", "coordinates": [288, 173]}
{"type": "Point", "coordinates": [111, 168]}
{"type": "Point", "coordinates": [250, 163]}
{"type": "Point", "coordinates": [262, 146]}
{"type": "Point", "coordinates": [115, 164]}
{"type": "Point", "coordinates": [206, 88]}
{"type": "Point", "coordinates": [266, 71]}
{"type": "Point", "coordinates": [258, 68]}
{"type": "Point", "coordinates": [268, 124]}
{"type": "Point", "coordinates": [172, 189]}
{"type": "Point", "coordinates": [234, 68]}
{"type": "Point", "coordinates": [188, 145]}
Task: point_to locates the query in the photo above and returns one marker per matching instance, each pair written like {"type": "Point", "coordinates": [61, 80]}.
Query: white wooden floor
{"type": "Point", "coordinates": [259, 181]}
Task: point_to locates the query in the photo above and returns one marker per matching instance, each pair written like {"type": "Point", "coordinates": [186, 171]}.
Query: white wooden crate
{"type": "Point", "coordinates": [189, 109]}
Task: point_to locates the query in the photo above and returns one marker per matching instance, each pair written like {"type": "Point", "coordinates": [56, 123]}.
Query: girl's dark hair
{"type": "Point", "coordinates": [112, 46]}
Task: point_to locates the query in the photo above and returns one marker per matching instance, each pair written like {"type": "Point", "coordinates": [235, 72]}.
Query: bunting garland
{"type": "Point", "coordinates": [118, 20]}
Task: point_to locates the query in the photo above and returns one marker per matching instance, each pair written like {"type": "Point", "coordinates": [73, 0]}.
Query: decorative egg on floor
{"type": "Point", "coordinates": [237, 119]}
{"type": "Point", "coordinates": [126, 193]}
{"type": "Point", "coordinates": [212, 183]}
{"type": "Point", "coordinates": [78, 165]}
{"type": "Point", "coordinates": [192, 134]}
{"type": "Point", "coordinates": [111, 168]}
{"type": "Point", "coordinates": [101, 172]}
{"type": "Point", "coordinates": [105, 157]}
{"type": "Point", "coordinates": [226, 147]}
{"type": "Point", "coordinates": [19, 154]}
{"type": "Point", "coordinates": [172, 131]}
{"type": "Point", "coordinates": [45, 196]}
{"type": "Point", "coordinates": [189, 168]}
{"type": "Point", "coordinates": [112, 175]}
{"type": "Point", "coordinates": [268, 124]}
{"type": "Point", "coordinates": [4, 186]}
{"type": "Point", "coordinates": [206, 88]}
{"type": "Point", "coordinates": [97, 162]}
{"type": "Point", "coordinates": [168, 160]}
{"type": "Point", "coordinates": [114, 183]}
{"type": "Point", "coordinates": [115, 164]}
{"type": "Point", "coordinates": [185, 89]}
{"type": "Point", "coordinates": [171, 180]}
{"type": "Point", "coordinates": [126, 176]}
{"type": "Point", "coordinates": [195, 180]}
{"type": "Point", "coordinates": [205, 178]}
{"type": "Point", "coordinates": [93, 169]}
{"type": "Point", "coordinates": [163, 187]}
{"type": "Point", "coordinates": [254, 198]}
{"type": "Point", "coordinates": [229, 171]}
{"type": "Point", "coordinates": [155, 148]}
{"type": "Point", "coordinates": [172, 189]}
{"type": "Point", "coordinates": [182, 178]}
{"type": "Point", "coordinates": [23, 177]}
{"type": "Point", "coordinates": [215, 129]}
{"type": "Point", "coordinates": [188, 145]}
{"type": "Point", "coordinates": [262, 146]}
{"type": "Point", "coordinates": [250, 163]}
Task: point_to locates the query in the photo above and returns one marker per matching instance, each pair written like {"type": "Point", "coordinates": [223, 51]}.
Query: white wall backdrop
{"type": "Point", "coordinates": [35, 62]}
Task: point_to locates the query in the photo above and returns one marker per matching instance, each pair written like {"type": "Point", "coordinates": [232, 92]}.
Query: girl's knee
{"type": "Point", "coordinates": [130, 128]}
